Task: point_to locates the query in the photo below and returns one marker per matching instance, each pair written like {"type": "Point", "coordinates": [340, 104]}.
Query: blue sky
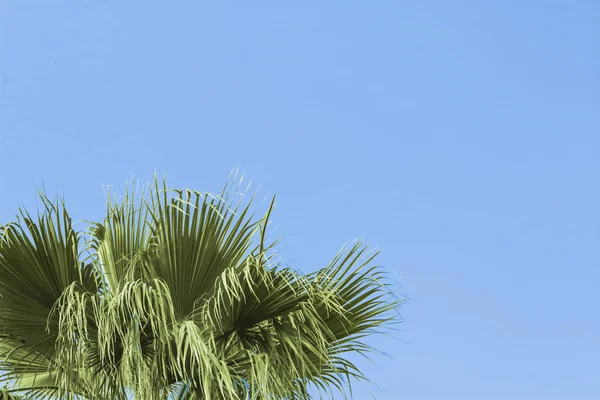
{"type": "Point", "coordinates": [462, 137]}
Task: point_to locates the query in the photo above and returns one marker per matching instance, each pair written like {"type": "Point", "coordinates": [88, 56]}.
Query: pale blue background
{"type": "Point", "coordinates": [463, 137]}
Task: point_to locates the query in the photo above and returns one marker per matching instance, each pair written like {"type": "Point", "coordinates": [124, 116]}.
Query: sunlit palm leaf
{"type": "Point", "coordinates": [39, 259]}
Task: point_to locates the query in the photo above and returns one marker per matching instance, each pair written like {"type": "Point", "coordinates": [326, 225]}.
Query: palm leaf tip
{"type": "Point", "coordinates": [175, 294]}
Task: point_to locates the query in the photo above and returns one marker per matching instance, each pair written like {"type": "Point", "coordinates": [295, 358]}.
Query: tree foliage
{"type": "Point", "coordinates": [176, 294]}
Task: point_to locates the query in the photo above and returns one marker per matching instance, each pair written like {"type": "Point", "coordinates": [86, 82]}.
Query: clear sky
{"type": "Point", "coordinates": [462, 137]}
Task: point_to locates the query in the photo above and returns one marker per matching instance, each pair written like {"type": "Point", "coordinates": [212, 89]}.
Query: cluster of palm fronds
{"type": "Point", "coordinates": [176, 295]}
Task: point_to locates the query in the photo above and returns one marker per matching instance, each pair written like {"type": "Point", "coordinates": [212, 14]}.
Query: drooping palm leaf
{"type": "Point", "coordinates": [39, 259]}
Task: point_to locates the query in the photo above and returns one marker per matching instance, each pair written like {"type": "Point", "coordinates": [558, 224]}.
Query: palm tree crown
{"type": "Point", "coordinates": [176, 294]}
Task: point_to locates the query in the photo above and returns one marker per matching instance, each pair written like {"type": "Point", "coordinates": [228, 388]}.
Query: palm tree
{"type": "Point", "coordinates": [177, 295]}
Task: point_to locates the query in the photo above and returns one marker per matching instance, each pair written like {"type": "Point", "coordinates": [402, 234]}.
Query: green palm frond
{"type": "Point", "coordinates": [176, 295]}
{"type": "Point", "coordinates": [6, 395]}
